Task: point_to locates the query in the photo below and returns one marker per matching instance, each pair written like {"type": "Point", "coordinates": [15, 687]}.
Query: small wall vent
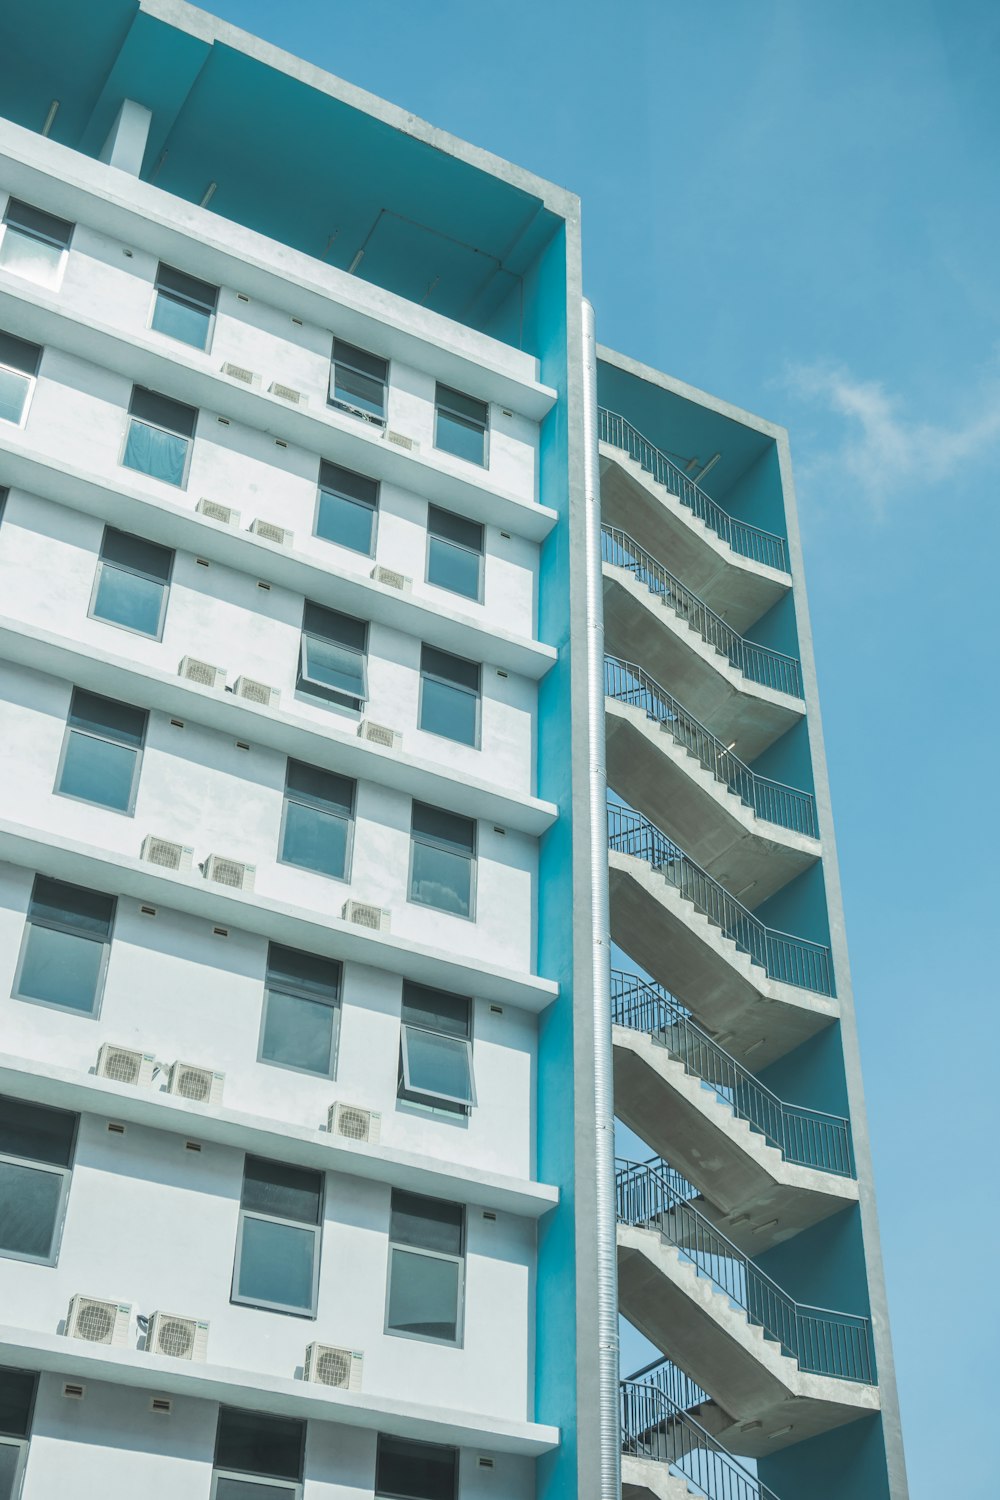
{"type": "Point", "coordinates": [200, 1085]}
{"type": "Point", "coordinates": [349, 1123]}
{"type": "Point", "coordinates": [124, 1065]}
{"type": "Point", "coordinates": [232, 872]}
{"type": "Point", "coordinates": [166, 854]}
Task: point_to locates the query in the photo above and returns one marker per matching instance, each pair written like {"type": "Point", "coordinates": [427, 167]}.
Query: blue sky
{"type": "Point", "coordinates": [795, 206]}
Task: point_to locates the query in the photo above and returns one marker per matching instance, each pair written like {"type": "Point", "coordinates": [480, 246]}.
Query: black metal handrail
{"type": "Point", "coordinates": [772, 801]}
{"type": "Point", "coordinates": [749, 541]}
{"type": "Point", "coordinates": [772, 669]}
{"type": "Point", "coordinates": [790, 960]}
{"type": "Point", "coordinates": [657, 1427]}
{"type": "Point", "coordinates": [807, 1137]}
{"type": "Point", "coordinates": [821, 1341]}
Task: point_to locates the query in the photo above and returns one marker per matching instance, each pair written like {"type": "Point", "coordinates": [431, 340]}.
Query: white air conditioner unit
{"type": "Point", "coordinates": [339, 1368]}
{"type": "Point", "coordinates": [201, 1085]}
{"type": "Point", "coordinates": [231, 872]}
{"type": "Point", "coordinates": [98, 1322]}
{"type": "Point", "coordinates": [400, 440]}
{"type": "Point", "coordinates": [124, 1065]}
{"type": "Point", "coordinates": [350, 1123]}
{"type": "Point", "coordinates": [177, 1338]}
{"type": "Point", "coordinates": [269, 531]}
{"type": "Point", "coordinates": [241, 373]}
{"type": "Point", "coordinates": [201, 672]}
{"type": "Point", "coordinates": [391, 578]}
{"type": "Point", "coordinates": [166, 854]}
{"type": "Point", "coordinates": [288, 393]}
{"type": "Point", "coordinates": [216, 512]}
{"type": "Point", "coordinates": [364, 914]}
{"type": "Point", "coordinates": [256, 692]}
{"type": "Point", "coordinates": [379, 734]}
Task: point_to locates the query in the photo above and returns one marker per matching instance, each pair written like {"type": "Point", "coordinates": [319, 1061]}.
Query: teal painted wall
{"type": "Point", "coordinates": [799, 907]}
{"type": "Point", "coordinates": [813, 1074]}
{"type": "Point", "coordinates": [848, 1464]}
{"type": "Point", "coordinates": [756, 496]}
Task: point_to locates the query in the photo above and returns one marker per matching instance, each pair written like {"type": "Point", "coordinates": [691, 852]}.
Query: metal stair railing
{"type": "Point", "coordinates": [749, 541]}
{"type": "Point", "coordinates": [656, 1426]}
{"type": "Point", "coordinates": [772, 669]}
{"type": "Point", "coordinates": [790, 960]}
{"type": "Point", "coordinates": [785, 806]}
{"type": "Point", "coordinates": [821, 1341]}
{"type": "Point", "coordinates": [806, 1137]}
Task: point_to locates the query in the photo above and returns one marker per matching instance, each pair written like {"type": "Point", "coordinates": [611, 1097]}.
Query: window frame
{"type": "Point", "coordinates": [164, 583]}
{"type": "Point", "coordinates": [129, 810]}
{"type": "Point", "coordinates": [34, 1164]}
{"type": "Point", "coordinates": [40, 237]}
{"type": "Point", "coordinates": [347, 407]}
{"type": "Point", "coordinates": [406, 1093]}
{"type": "Point", "coordinates": [94, 1013]}
{"type": "Point", "coordinates": [458, 1342]}
{"type": "Point", "coordinates": [326, 489]}
{"type": "Point", "coordinates": [32, 379]}
{"type": "Point", "coordinates": [434, 536]}
{"type": "Point", "coordinates": [158, 427]}
{"type": "Point", "coordinates": [305, 800]}
{"type": "Point", "coordinates": [439, 387]}
{"type": "Point", "coordinates": [428, 839]}
{"type": "Point", "coordinates": [291, 1487]}
{"type": "Point", "coordinates": [397, 1494]}
{"type": "Point", "coordinates": [316, 1229]}
{"type": "Point", "coordinates": [204, 348]}
{"type": "Point", "coordinates": [476, 742]}
{"type": "Point", "coordinates": [319, 691]}
{"type": "Point", "coordinates": [336, 1006]}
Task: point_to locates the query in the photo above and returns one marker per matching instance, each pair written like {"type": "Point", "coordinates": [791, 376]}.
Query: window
{"type": "Point", "coordinates": [426, 1268]}
{"type": "Point", "coordinates": [65, 949]}
{"type": "Point", "coordinates": [18, 367]}
{"type": "Point", "coordinates": [318, 820]}
{"type": "Point", "coordinates": [36, 1160]}
{"type": "Point", "coordinates": [346, 509]}
{"type": "Point", "coordinates": [17, 1400]}
{"type": "Point", "coordinates": [132, 583]}
{"type": "Point", "coordinates": [301, 1021]}
{"type": "Point", "coordinates": [408, 1470]}
{"type": "Point", "coordinates": [357, 382]}
{"type": "Point", "coordinates": [183, 307]}
{"type": "Point", "coordinates": [442, 859]}
{"type": "Point", "coordinates": [277, 1251]}
{"type": "Point", "coordinates": [32, 246]}
{"type": "Point", "coordinates": [101, 752]}
{"type": "Point", "coordinates": [454, 553]}
{"type": "Point", "coordinates": [435, 1049]}
{"type": "Point", "coordinates": [333, 661]}
{"type": "Point", "coordinates": [257, 1456]}
{"type": "Point", "coordinates": [449, 696]}
{"type": "Point", "coordinates": [461, 425]}
{"type": "Point", "coordinates": [158, 440]}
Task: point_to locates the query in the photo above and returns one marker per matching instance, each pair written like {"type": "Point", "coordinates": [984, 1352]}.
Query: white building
{"type": "Point", "coordinates": [306, 1114]}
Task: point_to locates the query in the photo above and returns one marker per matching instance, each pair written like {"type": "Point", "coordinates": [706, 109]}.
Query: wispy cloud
{"type": "Point", "coordinates": [884, 451]}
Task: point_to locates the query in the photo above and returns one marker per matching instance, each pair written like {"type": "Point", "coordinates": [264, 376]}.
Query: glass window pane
{"type": "Point", "coordinates": [451, 528]}
{"type": "Point", "coordinates": [119, 721]}
{"type": "Point", "coordinates": [136, 554]}
{"type": "Point", "coordinates": [37, 1132]}
{"type": "Point", "coordinates": [98, 771]}
{"type": "Point", "coordinates": [163, 411]}
{"type": "Point", "coordinates": [454, 568]}
{"type": "Point", "coordinates": [360, 359]}
{"type": "Point", "coordinates": [335, 667]}
{"type": "Point", "coordinates": [72, 905]}
{"type": "Point", "coordinates": [449, 711]}
{"type": "Point", "coordinates": [349, 523]}
{"type": "Point", "coordinates": [323, 788]}
{"type": "Point", "coordinates": [126, 599]}
{"type": "Point", "coordinates": [444, 827]}
{"type": "Point", "coordinates": [37, 223]}
{"type": "Point", "coordinates": [29, 1206]}
{"type": "Point", "coordinates": [10, 1457]}
{"type": "Point", "coordinates": [437, 1065]}
{"type": "Point", "coordinates": [18, 354]}
{"type": "Point", "coordinates": [423, 1295]}
{"type": "Point", "coordinates": [13, 394]}
{"type": "Point", "coordinates": [354, 389]}
{"type": "Point", "coordinates": [37, 260]}
{"type": "Point", "coordinates": [426, 1223]}
{"type": "Point", "coordinates": [162, 455]}
{"type": "Point", "coordinates": [289, 969]}
{"type": "Point", "coordinates": [463, 439]}
{"type": "Point", "coordinates": [180, 284]}
{"type": "Point", "coordinates": [258, 1443]}
{"type": "Point", "coordinates": [436, 1010]}
{"type": "Point", "coordinates": [244, 1489]}
{"type": "Point", "coordinates": [271, 1187]}
{"type": "Point", "coordinates": [457, 404]}
{"type": "Point", "coordinates": [179, 320]}
{"type": "Point", "coordinates": [315, 840]}
{"type": "Point", "coordinates": [17, 1395]}
{"type": "Point", "coordinates": [454, 669]}
{"type": "Point", "coordinates": [299, 1033]}
{"type": "Point", "coordinates": [441, 879]}
{"type": "Point", "coordinates": [61, 968]}
{"type": "Point", "coordinates": [331, 625]}
{"type": "Point", "coordinates": [276, 1264]}
{"type": "Point", "coordinates": [415, 1471]}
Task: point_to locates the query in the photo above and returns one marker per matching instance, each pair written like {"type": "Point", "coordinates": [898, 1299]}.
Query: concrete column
{"type": "Point", "coordinates": [126, 142]}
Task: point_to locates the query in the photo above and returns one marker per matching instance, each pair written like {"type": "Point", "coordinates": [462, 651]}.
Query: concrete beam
{"type": "Point", "coordinates": [125, 146]}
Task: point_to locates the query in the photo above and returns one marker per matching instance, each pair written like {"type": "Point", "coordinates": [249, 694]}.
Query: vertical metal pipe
{"type": "Point", "coordinates": [607, 1269]}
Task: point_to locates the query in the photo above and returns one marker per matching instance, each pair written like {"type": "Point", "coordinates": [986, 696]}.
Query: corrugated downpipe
{"type": "Point", "coordinates": [607, 1267]}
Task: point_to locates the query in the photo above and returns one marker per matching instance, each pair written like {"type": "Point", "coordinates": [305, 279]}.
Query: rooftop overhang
{"type": "Point", "coordinates": [293, 152]}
